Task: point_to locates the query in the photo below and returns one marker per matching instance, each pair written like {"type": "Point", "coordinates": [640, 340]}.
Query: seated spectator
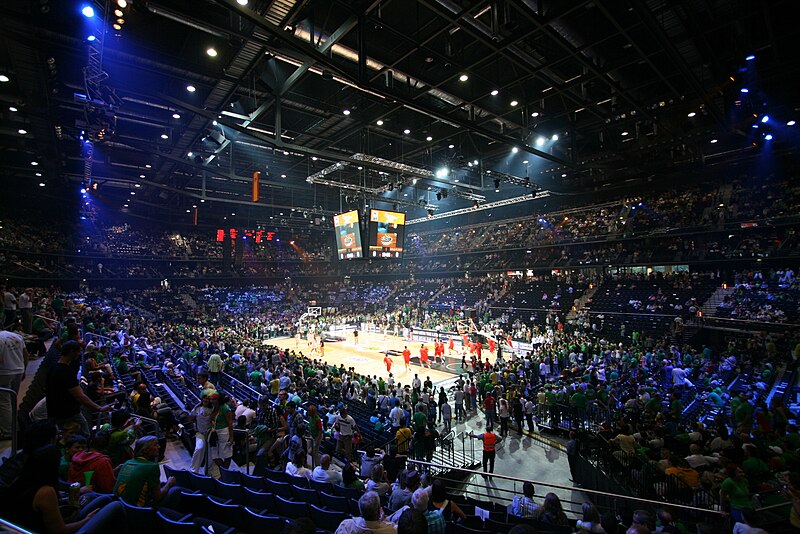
{"type": "Point", "coordinates": [441, 501]}
{"type": "Point", "coordinates": [139, 479]}
{"type": "Point", "coordinates": [325, 472]}
{"type": "Point", "coordinates": [551, 511]}
{"type": "Point", "coordinates": [91, 468]}
{"type": "Point", "coordinates": [590, 521]}
{"type": "Point", "coordinates": [408, 482]}
{"type": "Point", "coordinates": [297, 467]}
{"type": "Point", "coordinates": [369, 458]}
{"type": "Point", "coordinates": [377, 482]}
{"type": "Point", "coordinates": [436, 522]}
{"type": "Point", "coordinates": [524, 505]}
{"type": "Point", "coordinates": [350, 479]}
{"type": "Point", "coordinates": [371, 520]}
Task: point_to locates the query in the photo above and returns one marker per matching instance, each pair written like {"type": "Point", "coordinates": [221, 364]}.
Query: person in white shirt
{"type": "Point", "coordinates": [347, 428]}
{"type": "Point", "coordinates": [324, 472]}
{"type": "Point", "coordinates": [297, 468]}
{"type": "Point", "coordinates": [13, 361]}
{"type": "Point", "coordinates": [26, 309]}
{"type": "Point", "coordinates": [371, 519]}
{"type": "Point", "coordinates": [9, 306]}
{"type": "Point", "coordinates": [244, 410]}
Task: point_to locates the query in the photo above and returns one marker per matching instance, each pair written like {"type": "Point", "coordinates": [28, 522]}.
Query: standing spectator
{"type": "Point", "coordinates": [447, 415]}
{"type": "Point", "coordinates": [504, 413]}
{"type": "Point", "coordinates": [201, 415]}
{"type": "Point", "coordinates": [26, 309]}
{"type": "Point", "coordinates": [530, 407]}
{"type": "Point", "coordinates": [64, 394]}
{"type": "Point", "coordinates": [459, 400]}
{"type": "Point", "coordinates": [9, 306]}
{"type": "Point", "coordinates": [489, 406]}
{"type": "Point", "coordinates": [13, 362]}
{"type": "Point", "coordinates": [347, 429]}
{"type": "Point", "coordinates": [315, 432]}
{"type": "Point", "coordinates": [573, 449]}
{"type": "Point", "coordinates": [490, 441]}
{"type": "Point", "coordinates": [220, 439]}
{"type": "Point", "coordinates": [214, 366]}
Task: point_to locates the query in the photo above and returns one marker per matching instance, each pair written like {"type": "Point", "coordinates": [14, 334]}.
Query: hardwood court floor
{"type": "Point", "coordinates": [367, 356]}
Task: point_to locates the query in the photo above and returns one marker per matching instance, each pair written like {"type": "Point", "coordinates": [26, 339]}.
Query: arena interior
{"type": "Point", "coordinates": [399, 266]}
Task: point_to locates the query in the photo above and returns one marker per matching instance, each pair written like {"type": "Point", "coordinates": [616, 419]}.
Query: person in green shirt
{"type": "Point", "coordinates": [139, 479]}
{"type": "Point", "coordinates": [222, 426]}
{"type": "Point", "coordinates": [735, 493]}
{"type": "Point", "coordinates": [255, 379]}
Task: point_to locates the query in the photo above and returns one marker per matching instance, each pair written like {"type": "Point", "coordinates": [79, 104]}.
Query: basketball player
{"type": "Point", "coordinates": [355, 336]}
{"type": "Point", "coordinates": [388, 361]}
{"type": "Point", "coordinates": [423, 356]}
{"type": "Point", "coordinates": [407, 357]}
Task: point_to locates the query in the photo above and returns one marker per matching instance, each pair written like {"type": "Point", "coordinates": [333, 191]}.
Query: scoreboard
{"type": "Point", "coordinates": [259, 236]}
{"type": "Point", "coordinates": [348, 235]}
{"type": "Point", "coordinates": [387, 230]}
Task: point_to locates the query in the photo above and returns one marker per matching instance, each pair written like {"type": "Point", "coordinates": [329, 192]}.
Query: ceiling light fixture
{"type": "Point", "coordinates": [212, 52]}
{"type": "Point", "coordinates": [451, 146]}
{"type": "Point", "coordinates": [346, 112]}
{"type": "Point", "coordinates": [241, 2]}
{"type": "Point", "coordinates": [34, 163]}
{"type": "Point", "coordinates": [4, 78]}
{"type": "Point", "coordinates": [379, 122]}
{"type": "Point", "coordinates": [463, 78]}
{"type": "Point", "coordinates": [88, 11]}
{"type": "Point", "coordinates": [514, 103]}
{"type": "Point", "coordinates": [514, 150]}
{"type": "Point", "coordinates": [540, 141]}
{"type": "Point", "coordinates": [406, 131]}
{"type": "Point", "coordinates": [713, 141]}
{"type": "Point", "coordinates": [122, 3]}
{"type": "Point", "coordinates": [22, 131]}
{"type": "Point", "coordinates": [495, 92]}
{"type": "Point", "coordinates": [164, 136]}
{"type": "Point", "coordinates": [624, 134]}
{"type": "Point", "coordinates": [41, 184]}
{"type": "Point", "coordinates": [191, 88]}
{"type": "Point", "coordinates": [535, 114]}
{"type": "Point", "coordinates": [692, 114]}
{"type": "Point", "coordinates": [116, 26]}
{"type": "Point", "coordinates": [118, 13]}
{"type": "Point", "coordinates": [176, 115]}
{"type": "Point", "coordinates": [790, 123]}
{"type": "Point", "coordinates": [12, 109]}
{"type": "Point", "coordinates": [429, 138]}
{"type": "Point", "coordinates": [555, 137]}
{"type": "Point", "coordinates": [38, 174]}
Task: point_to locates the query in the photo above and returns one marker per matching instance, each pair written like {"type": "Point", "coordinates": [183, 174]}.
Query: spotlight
{"type": "Point", "coordinates": [190, 155]}
{"type": "Point", "coordinates": [118, 13]}
{"type": "Point", "coordinates": [91, 38]}
{"type": "Point", "coordinates": [83, 190]}
{"type": "Point", "coordinates": [88, 11]}
{"type": "Point", "coordinates": [241, 2]}
{"type": "Point", "coordinates": [4, 79]}
{"type": "Point", "coordinates": [191, 88]}
{"type": "Point", "coordinates": [475, 162]}
{"type": "Point", "coordinates": [555, 137]}
{"type": "Point", "coordinates": [768, 137]}
{"type": "Point", "coordinates": [34, 163]}
{"type": "Point", "coordinates": [291, 242]}
{"type": "Point", "coordinates": [495, 92]}
{"type": "Point", "coordinates": [451, 146]}
{"type": "Point", "coordinates": [540, 141]}
{"type": "Point", "coordinates": [692, 114]}
{"type": "Point", "coordinates": [346, 112]}
{"type": "Point", "coordinates": [212, 52]}
{"type": "Point", "coordinates": [414, 181]}
{"type": "Point", "coordinates": [790, 123]}
{"type": "Point", "coordinates": [12, 109]}
{"type": "Point", "coordinates": [22, 132]}
{"type": "Point", "coordinates": [164, 136]}
{"type": "Point", "coordinates": [137, 185]}
{"type": "Point", "coordinates": [624, 133]}
{"type": "Point", "coordinates": [744, 90]}
{"type": "Point", "coordinates": [116, 26]}
{"type": "Point", "coordinates": [765, 119]}
{"type": "Point", "coordinates": [443, 172]}
{"type": "Point", "coordinates": [141, 176]}
{"type": "Point", "coordinates": [124, 205]}
{"type": "Point", "coordinates": [38, 175]}
{"type": "Point", "coordinates": [463, 78]}
{"type": "Point", "coordinates": [176, 115]}
{"type": "Point", "coordinates": [41, 184]}
{"type": "Point", "coordinates": [120, 21]}
{"type": "Point", "coordinates": [406, 131]}
{"type": "Point", "coordinates": [713, 141]}
{"type": "Point", "coordinates": [514, 150]}
{"type": "Point", "coordinates": [122, 3]}
{"type": "Point", "coordinates": [751, 57]}
{"type": "Point", "coordinates": [429, 138]}
{"type": "Point", "coordinates": [379, 123]}
{"type": "Point", "coordinates": [513, 103]}
{"type": "Point", "coordinates": [535, 114]}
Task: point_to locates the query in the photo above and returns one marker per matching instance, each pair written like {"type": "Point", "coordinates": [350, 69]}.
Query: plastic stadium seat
{"type": "Point", "coordinates": [262, 524]}
{"type": "Point", "coordinates": [258, 501]}
{"type": "Point", "coordinates": [230, 476]}
{"type": "Point", "coordinates": [300, 482]}
{"type": "Point", "coordinates": [229, 514]}
{"type": "Point", "coordinates": [328, 520]}
{"type": "Point", "coordinates": [182, 477]}
{"type": "Point", "coordinates": [327, 487]}
{"type": "Point", "coordinates": [331, 502]}
{"type": "Point", "coordinates": [498, 527]}
{"type": "Point", "coordinates": [194, 503]}
{"type": "Point", "coordinates": [279, 488]}
{"type": "Point", "coordinates": [350, 493]}
{"type": "Point", "coordinates": [274, 474]}
{"type": "Point", "coordinates": [461, 529]}
{"type": "Point", "coordinates": [202, 483]}
{"type": "Point", "coordinates": [228, 492]}
{"type": "Point", "coordinates": [305, 495]}
{"type": "Point", "coordinates": [291, 509]}
{"type": "Point", "coordinates": [171, 526]}
{"type": "Point", "coordinates": [137, 518]}
{"type": "Point", "coordinates": [252, 482]}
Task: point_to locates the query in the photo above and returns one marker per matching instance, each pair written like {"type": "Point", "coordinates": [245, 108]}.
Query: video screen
{"type": "Point", "coordinates": [387, 230]}
{"type": "Point", "coordinates": [348, 235]}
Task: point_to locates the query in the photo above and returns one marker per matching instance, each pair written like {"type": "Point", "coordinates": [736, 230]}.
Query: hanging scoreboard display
{"type": "Point", "coordinates": [387, 230]}
{"type": "Point", "coordinates": [348, 235]}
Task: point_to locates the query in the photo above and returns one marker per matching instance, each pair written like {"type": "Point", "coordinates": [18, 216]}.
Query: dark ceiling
{"type": "Point", "coordinates": [616, 82]}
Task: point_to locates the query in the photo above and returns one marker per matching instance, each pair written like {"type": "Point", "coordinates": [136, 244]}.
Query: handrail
{"type": "Point", "coordinates": [13, 395]}
{"type": "Point", "coordinates": [8, 526]}
{"type": "Point", "coordinates": [569, 488]}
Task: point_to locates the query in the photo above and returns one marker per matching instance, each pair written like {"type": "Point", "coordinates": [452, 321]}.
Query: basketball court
{"type": "Point", "coordinates": [367, 356]}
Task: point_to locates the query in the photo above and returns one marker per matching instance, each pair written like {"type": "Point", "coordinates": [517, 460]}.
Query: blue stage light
{"type": "Point", "coordinates": [91, 38]}
{"type": "Point", "coordinates": [744, 90]}
{"type": "Point", "coordinates": [751, 57]}
{"type": "Point", "coordinates": [88, 11]}
{"type": "Point", "coordinates": [768, 137]}
{"type": "Point", "coordinates": [765, 119]}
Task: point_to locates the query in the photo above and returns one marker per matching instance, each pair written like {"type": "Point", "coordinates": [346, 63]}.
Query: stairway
{"type": "Point", "coordinates": [436, 295]}
{"type": "Point", "coordinates": [710, 306]}
{"type": "Point", "coordinates": [580, 303]}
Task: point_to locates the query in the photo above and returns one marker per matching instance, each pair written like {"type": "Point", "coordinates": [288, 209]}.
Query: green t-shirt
{"type": "Point", "coordinates": [221, 421]}
{"type": "Point", "coordinates": [420, 421]}
{"type": "Point", "coordinates": [255, 378]}
{"type": "Point", "coordinates": [738, 493]}
{"type": "Point", "coordinates": [136, 481]}
{"type": "Point", "coordinates": [579, 400]}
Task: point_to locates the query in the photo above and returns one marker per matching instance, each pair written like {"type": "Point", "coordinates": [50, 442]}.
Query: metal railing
{"type": "Point", "coordinates": [639, 502]}
{"type": "Point", "coordinates": [11, 528]}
